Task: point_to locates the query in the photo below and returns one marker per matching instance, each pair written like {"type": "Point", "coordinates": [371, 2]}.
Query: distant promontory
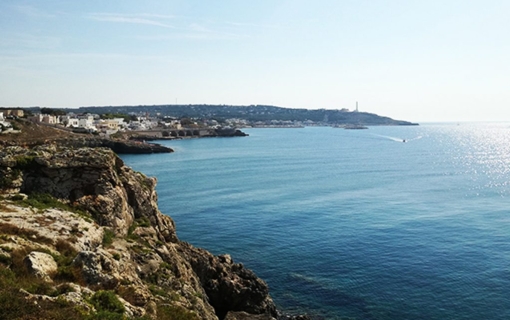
{"type": "Point", "coordinates": [254, 115]}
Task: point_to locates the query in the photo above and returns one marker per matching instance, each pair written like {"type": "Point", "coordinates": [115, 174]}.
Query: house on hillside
{"type": "Point", "coordinates": [109, 126]}
{"type": "Point", "coordinates": [13, 112]}
{"type": "Point", "coordinates": [4, 125]}
{"type": "Point", "coordinates": [136, 125]}
{"type": "Point", "coordinates": [18, 113]}
{"type": "Point", "coordinates": [173, 124]}
{"type": "Point", "coordinates": [70, 121]}
{"type": "Point", "coordinates": [86, 123]}
{"type": "Point", "coordinates": [45, 118]}
{"type": "Point", "coordinates": [121, 124]}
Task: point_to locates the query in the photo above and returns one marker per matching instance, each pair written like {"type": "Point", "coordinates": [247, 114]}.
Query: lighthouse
{"type": "Point", "coordinates": [356, 106]}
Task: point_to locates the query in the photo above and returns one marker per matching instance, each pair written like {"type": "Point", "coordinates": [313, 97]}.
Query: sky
{"type": "Point", "coordinates": [415, 60]}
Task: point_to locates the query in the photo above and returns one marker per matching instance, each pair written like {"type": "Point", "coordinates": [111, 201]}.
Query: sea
{"type": "Point", "coordinates": [353, 224]}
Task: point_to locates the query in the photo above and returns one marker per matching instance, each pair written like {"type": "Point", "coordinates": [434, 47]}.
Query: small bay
{"type": "Point", "coordinates": [353, 224]}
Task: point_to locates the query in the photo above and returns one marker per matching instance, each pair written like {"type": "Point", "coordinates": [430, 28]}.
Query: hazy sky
{"type": "Point", "coordinates": [416, 60]}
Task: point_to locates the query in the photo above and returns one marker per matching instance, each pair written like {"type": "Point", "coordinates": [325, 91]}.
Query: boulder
{"type": "Point", "coordinates": [98, 269]}
{"type": "Point", "coordinates": [40, 264]}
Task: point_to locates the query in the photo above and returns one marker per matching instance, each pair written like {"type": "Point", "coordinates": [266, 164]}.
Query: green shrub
{"type": "Point", "coordinates": [166, 312]}
{"type": "Point", "coordinates": [106, 315]}
{"type": "Point", "coordinates": [8, 178]}
{"type": "Point", "coordinates": [43, 201]}
{"type": "Point", "coordinates": [42, 287]}
{"type": "Point", "coordinates": [108, 237]}
{"type": "Point", "coordinates": [155, 290]}
{"type": "Point", "coordinates": [66, 271]}
{"type": "Point", "coordinates": [69, 274]}
{"type": "Point", "coordinates": [165, 265]}
{"type": "Point", "coordinates": [17, 197]}
{"type": "Point", "coordinates": [131, 229]}
{"type": "Point", "coordinates": [143, 222]}
{"type": "Point", "coordinates": [107, 301]}
{"type": "Point", "coordinates": [26, 162]}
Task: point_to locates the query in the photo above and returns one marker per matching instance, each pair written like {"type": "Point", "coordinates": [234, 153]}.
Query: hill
{"type": "Point", "coordinates": [251, 113]}
{"type": "Point", "coordinates": [31, 134]}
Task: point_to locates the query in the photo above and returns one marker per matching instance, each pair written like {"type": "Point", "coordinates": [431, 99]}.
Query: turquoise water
{"type": "Point", "coordinates": [353, 224]}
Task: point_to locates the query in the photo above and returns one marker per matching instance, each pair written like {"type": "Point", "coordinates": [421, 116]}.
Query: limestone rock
{"type": "Point", "coordinates": [41, 264]}
{"type": "Point", "coordinates": [77, 299]}
{"type": "Point", "coordinates": [98, 269]}
{"type": "Point", "coordinates": [229, 286]}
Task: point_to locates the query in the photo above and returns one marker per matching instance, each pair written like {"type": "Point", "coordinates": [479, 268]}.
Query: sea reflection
{"type": "Point", "coordinates": [482, 150]}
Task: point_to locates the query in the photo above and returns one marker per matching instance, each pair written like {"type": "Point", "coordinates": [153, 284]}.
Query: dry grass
{"type": "Point", "coordinates": [15, 306]}
{"type": "Point", "coordinates": [32, 132]}
{"type": "Point", "coordinates": [29, 234]}
{"type": "Point", "coordinates": [5, 208]}
{"type": "Point", "coordinates": [43, 221]}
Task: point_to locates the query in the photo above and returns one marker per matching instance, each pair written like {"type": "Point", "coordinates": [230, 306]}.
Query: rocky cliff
{"type": "Point", "coordinates": [81, 237]}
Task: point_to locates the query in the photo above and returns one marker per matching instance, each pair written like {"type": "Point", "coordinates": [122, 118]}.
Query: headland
{"type": "Point", "coordinates": [82, 237]}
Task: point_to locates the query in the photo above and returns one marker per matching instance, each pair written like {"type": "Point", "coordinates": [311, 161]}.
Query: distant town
{"type": "Point", "coordinates": [110, 120]}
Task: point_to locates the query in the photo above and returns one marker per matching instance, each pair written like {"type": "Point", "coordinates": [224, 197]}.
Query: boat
{"type": "Point", "coordinates": [354, 126]}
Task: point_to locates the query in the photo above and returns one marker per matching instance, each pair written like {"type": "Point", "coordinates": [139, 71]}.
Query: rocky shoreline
{"type": "Point", "coordinates": [117, 146]}
{"type": "Point", "coordinates": [175, 134]}
{"type": "Point", "coordinates": [86, 228]}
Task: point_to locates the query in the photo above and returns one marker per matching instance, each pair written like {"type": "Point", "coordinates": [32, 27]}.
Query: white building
{"type": "Point", "coordinates": [136, 125]}
{"type": "Point", "coordinates": [150, 124]}
{"type": "Point", "coordinates": [70, 121]}
{"type": "Point", "coordinates": [87, 116]}
{"type": "Point", "coordinates": [5, 125]}
{"type": "Point", "coordinates": [86, 123]}
{"type": "Point", "coordinates": [174, 124]}
{"type": "Point", "coordinates": [73, 122]}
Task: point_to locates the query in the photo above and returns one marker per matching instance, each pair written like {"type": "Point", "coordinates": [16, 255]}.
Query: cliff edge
{"type": "Point", "coordinates": [81, 237]}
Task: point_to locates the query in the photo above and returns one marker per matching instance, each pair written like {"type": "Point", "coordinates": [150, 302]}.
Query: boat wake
{"type": "Point", "coordinates": [396, 139]}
